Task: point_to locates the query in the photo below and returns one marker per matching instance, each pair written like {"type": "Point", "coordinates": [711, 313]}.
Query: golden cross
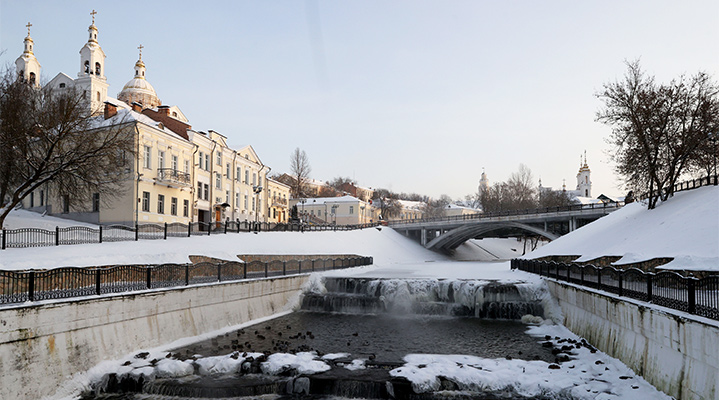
{"type": "Point", "coordinates": [93, 16]}
{"type": "Point", "coordinates": [28, 28]}
{"type": "Point", "coordinates": [140, 47]}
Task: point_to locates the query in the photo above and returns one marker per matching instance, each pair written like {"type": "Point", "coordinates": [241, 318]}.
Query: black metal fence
{"type": "Point", "coordinates": [685, 185]}
{"type": "Point", "coordinates": [668, 289]}
{"type": "Point", "coordinates": [68, 282]}
{"type": "Point", "coordinates": [35, 237]}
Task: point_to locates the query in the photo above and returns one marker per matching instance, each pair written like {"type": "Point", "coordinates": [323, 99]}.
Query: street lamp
{"type": "Point", "coordinates": [713, 138]}
{"type": "Point", "coordinates": [257, 190]}
{"type": "Point", "coordinates": [334, 213]}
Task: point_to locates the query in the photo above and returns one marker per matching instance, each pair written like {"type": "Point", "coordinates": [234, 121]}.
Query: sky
{"type": "Point", "coordinates": [412, 96]}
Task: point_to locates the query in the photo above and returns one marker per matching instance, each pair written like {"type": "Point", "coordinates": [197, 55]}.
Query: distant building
{"type": "Point", "coordinates": [344, 210]}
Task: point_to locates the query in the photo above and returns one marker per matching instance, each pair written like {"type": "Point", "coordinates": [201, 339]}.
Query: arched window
{"type": "Point", "coordinates": [21, 75]}
{"type": "Point", "coordinates": [32, 77]}
{"type": "Point", "coordinates": [98, 96]}
{"type": "Point", "coordinates": [137, 72]}
{"type": "Point", "coordinates": [97, 68]}
{"type": "Point", "coordinates": [87, 67]}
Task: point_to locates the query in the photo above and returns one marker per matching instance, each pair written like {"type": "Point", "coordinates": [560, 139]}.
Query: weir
{"type": "Point", "coordinates": [374, 321]}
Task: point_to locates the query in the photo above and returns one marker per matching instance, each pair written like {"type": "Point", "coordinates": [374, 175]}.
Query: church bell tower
{"type": "Point", "coordinates": [27, 66]}
{"type": "Point", "coordinates": [91, 81]}
{"type": "Point", "coordinates": [584, 182]}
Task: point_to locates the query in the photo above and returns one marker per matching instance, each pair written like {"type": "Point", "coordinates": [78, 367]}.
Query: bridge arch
{"type": "Point", "coordinates": [453, 238]}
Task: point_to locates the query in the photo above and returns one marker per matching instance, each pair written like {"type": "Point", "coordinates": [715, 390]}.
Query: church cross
{"type": "Point", "coordinates": [140, 47]}
{"type": "Point", "coordinates": [93, 16]}
{"type": "Point", "coordinates": [28, 28]}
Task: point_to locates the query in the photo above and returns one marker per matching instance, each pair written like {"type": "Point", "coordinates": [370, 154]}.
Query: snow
{"type": "Point", "coordinates": [686, 227]}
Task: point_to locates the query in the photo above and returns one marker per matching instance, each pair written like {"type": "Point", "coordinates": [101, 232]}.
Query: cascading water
{"type": "Point", "coordinates": [481, 299]}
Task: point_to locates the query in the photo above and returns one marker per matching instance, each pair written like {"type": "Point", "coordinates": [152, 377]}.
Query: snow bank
{"type": "Point", "coordinates": [686, 227]}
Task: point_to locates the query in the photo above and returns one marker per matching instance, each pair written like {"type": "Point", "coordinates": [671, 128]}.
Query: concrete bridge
{"type": "Point", "coordinates": [446, 233]}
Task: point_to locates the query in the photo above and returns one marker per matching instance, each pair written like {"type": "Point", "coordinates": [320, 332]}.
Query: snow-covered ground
{"type": "Point", "coordinates": [686, 227]}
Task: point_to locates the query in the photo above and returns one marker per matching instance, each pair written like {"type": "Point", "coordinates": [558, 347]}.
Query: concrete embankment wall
{"type": "Point", "coordinates": [677, 354]}
{"type": "Point", "coordinates": [41, 345]}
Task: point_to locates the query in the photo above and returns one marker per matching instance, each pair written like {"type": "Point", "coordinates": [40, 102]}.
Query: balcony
{"type": "Point", "coordinates": [279, 202]}
{"type": "Point", "coordinates": [173, 177]}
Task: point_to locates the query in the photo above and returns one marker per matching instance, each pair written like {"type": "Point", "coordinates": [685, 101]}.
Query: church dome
{"type": "Point", "coordinates": [139, 90]}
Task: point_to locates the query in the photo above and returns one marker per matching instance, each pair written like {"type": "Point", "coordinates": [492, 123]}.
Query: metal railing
{"type": "Point", "coordinates": [173, 175]}
{"type": "Point", "coordinates": [531, 211]}
{"type": "Point", "coordinates": [685, 185]}
{"type": "Point", "coordinates": [69, 282]}
{"type": "Point", "coordinates": [35, 237]}
{"type": "Point", "coordinates": [667, 288]}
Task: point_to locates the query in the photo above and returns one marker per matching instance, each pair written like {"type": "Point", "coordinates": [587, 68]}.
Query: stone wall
{"type": "Point", "coordinates": [675, 352]}
{"type": "Point", "coordinates": [42, 345]}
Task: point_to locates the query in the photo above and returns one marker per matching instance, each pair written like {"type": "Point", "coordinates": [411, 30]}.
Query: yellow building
{"type": "Point", "coordinates": [277, 199]}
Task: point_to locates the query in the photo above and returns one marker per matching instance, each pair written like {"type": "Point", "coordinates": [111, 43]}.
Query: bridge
{"type": "Point", "coordinates": [446, 233]}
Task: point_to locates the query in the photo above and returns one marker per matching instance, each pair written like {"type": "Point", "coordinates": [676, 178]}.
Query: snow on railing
{"type": "Point", "coordinates": [666, 288]}
{"type": "Point", "coordinates": [69, 282]}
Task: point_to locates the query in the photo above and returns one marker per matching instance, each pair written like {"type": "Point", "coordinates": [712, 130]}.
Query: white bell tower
{"type": "Point", "coordinates": [28, 68]}
{"type": "Point", "coordinates": [584, 181]}
{"type": "Point", "coordinates": [91, 81]}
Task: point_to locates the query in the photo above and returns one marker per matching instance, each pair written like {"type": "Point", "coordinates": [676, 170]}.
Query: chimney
{"type": "Point", "coordinates": [136, 107]}
{"type": "Point", "coordinates": [164, 110]}
{"type": "Point", "coordinates": [110, 110]}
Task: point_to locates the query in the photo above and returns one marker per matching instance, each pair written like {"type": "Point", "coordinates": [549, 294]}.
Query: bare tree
{"type": "Point", "coordinates": [50, 137]}
{"type": "Point", "coordinates": [554, 198]}
{"type": "Point", "coordinates": [518, 193]}
{"type": "Point", "coordinates": [300, 168]}
{"type": "Point", "coordinates": [437, 208]}
{"type": "Point", "coordinates": [658, 129]}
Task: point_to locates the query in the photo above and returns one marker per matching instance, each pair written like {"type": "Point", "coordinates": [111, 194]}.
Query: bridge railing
{"type": "Point", "coordinates": [667, 288]}
{"type": "Point", "coordinates": [36, 237]}
{"type": "Point", "coordinates": [532, 211]}
{"type": "Point", "coordinates": [70, 282]}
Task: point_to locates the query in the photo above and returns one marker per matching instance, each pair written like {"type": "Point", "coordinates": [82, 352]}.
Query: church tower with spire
{"type": "Point", "coordinates": [27, 66]}
{"type": "Point", "coordinates": [138, 89]}
{"type": "Point", "coordinates": [584, 182]}
{"type": "Point", "coordinates": [91, 80]}
{"type": "Point", "coordinates": [483, 182]}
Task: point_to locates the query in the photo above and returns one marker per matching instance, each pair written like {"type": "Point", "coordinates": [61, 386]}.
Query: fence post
{"type": "Point", "coordinates": [4, 240]}
{"type": "Point", "coordinates": [266, 270]}
{"type": "Point", "coordinates": [31, 286]}
{"type": "Point", "coordinates": [581, 275]}
{"type": "Point", "coordinates": [313, 265]}
{"type": "Point", "coordinates": [300, 267]}
{"type": "Point", "coordinates": [219, 272]}
{"type": "Point", "coordinates": [137, 234]}
{"type": "Point", "coordinates": [649, 286]}
{"type": "Point", "coordinates": [621, 283]}
{"type": "Point", "coordinates": [209, 229]}
{"type": "Point", "coordinates": [244, 270]}
{"type": "Point", "coordinates": [187, 274]}
{"type": "Point", "coordinates": [149, 277]}
{"type": "Point", "coordinates": [599, 278]}
{"type": "Point", "coordinates": [57, 236]}
{"type": "Point", "coordinates": [691, 299]}
{"type": "Point", "coordinates": [165, 238]}
{"type": "Point", "coordinates": [284, 268]}
{"type": "Point", "coordinates": [97, 281]}
{"type": "Point", "coordinates": [100, 234]}
{"type": "Point", "coordinates": [189, 228]}
{"type": "Point", "coordinates": [226, 227]}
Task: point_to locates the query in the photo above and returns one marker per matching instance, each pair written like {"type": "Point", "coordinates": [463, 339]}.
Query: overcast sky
{"type": "Point", "coordinates": [414, 96]}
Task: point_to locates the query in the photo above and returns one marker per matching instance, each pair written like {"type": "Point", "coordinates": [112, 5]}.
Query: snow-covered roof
{"type": "Point", "coordinates": [587, 200]}
{"type": "Point", "coordinates": [332, 200]}
{"type": "Point", "coordinates": [124, 116]}
{"type": "Point", "coordinates": [411, 205]}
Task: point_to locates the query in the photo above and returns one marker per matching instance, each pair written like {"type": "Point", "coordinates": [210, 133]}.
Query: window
{"type": "Point", "coordinates": [160, 203]}
{"type": "Point", "coordinates": [187, 166]}
{"type": "Point", "coordinates": [173, 206]}
{"type": "Point", "coordinates": [254, 179]}
{"type": "Point", "coordinates": [148, 157]}
{"type": "Point", "coordinates": [62, 85]}
{"type": "Point", "coordinates": [202, 158]}
{"type": "Point", "coordinates": [245, 200]}
{"type": "Point", "coordinates": [65, 203]}
{"type": "Point", "coordinates": [42, 198]}
{"type": "Point", "coordinates": [199, 189]}
{"type": "Point", "coordinates": [32, 77]}
{"type": "Point", "coordinates": [218, 180]}
{"type": "Point", "coordinates": [238, 174]}
{"type": "Point", "coordinates": [219, 158]}
{"type": "Point", "coordinates": [227, 171]}
{"type": "Point", "coordinates": [227, 197]}
{"type": "Point", "coordinates": [98, 96]}
{"type": "Point", "coordinates": [237, 199]}
{"type": "Point", "coordinates": [175, 162]}
{"type": "Point", "coordinates": [185, 208]}
{"type": "Point", "coordinates": [87, 66]}
{"type": "Point", "coordinates": [253, 204]}
{"type": "Point", "coordinates": [160, 159]}
{"type": "Point", "coordinates": [146, 201]}
{"type": "Point", "coordinates": [352, 209]}
{"type": "Point", "coordinates": [207, 162]}
{"type": "Point", "coordinates": [247, 176]}
{"type": "Point", "coordinates": [98, 69]}
{"type": "Point", "coordinates": [207, 191]}
{"type": "Point", "coordinates": [32, 199]}
{"type": "Point", "coordinates": [95, 202]}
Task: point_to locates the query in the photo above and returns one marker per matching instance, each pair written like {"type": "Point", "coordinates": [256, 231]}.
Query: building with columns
{"type": "Point", "coordinates": [179, 174]}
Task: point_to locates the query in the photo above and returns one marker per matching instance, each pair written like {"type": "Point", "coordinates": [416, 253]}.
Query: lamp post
{"type": "Point", "coordinates": [257, 190]}
{"type": "Point", "coordinates": [302, 213]}
{"type": "Point", "coordinates": [713, 138]}
{"type": "Point", "coordinates": [334, 213]}
{"type": "Point", "coordinates": [362, 216]}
